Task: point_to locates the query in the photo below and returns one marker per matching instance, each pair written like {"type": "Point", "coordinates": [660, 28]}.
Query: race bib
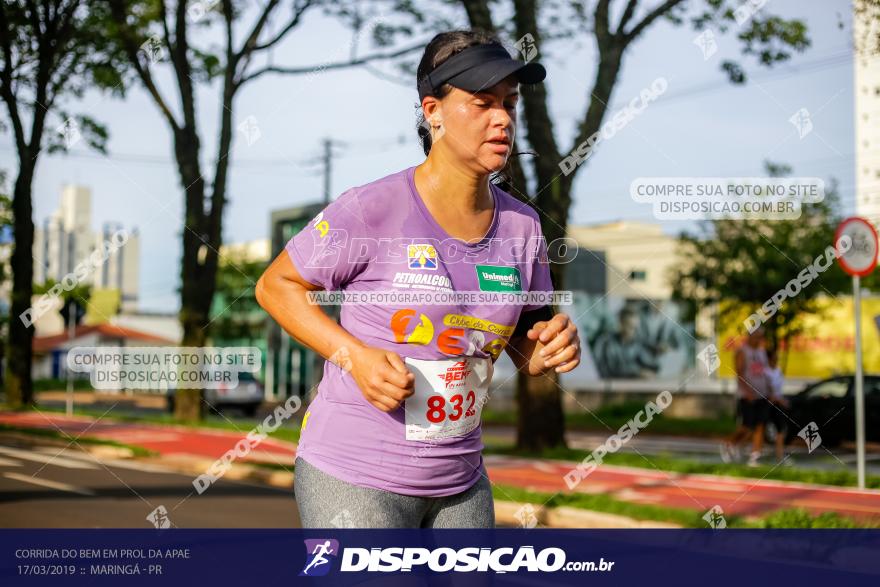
{"type": "Point", "coordinates": [449, 397]}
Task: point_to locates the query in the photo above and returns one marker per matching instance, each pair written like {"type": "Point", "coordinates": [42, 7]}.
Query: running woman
{"type": "Point", "coordinates": [392, 438]}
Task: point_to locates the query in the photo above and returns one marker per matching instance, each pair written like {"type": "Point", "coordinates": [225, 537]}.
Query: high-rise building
{"type": "Point", "coordinates": [66, 239]}
{"type": "Point", "coordinates": [867, 123]}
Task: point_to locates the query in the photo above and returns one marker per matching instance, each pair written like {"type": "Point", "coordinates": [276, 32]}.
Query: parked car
{"type": "Point", "coordinates": [830, 403]}
{"type": "Point", "coordinates": [246, 396]}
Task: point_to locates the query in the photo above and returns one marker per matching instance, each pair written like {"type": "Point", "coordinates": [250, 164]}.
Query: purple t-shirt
{"type": "Point", "coordinates": [380, 237]}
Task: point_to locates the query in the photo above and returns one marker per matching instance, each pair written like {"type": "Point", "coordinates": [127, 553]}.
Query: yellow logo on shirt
{"type": "Point", "coordinates": [421, 256]}
{"type": "Point", "coordinates": [475, 323]}
{"type": "Point", "coordinates": [305, 420]}
{"type": "Point", "coordinates": [495, 346]}
{"type": "Point", "coordinates": [321, 225]}
{"type": "Point", "coordinates": [422, 332]}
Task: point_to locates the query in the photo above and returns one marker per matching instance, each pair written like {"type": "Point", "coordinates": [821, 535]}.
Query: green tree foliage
{"type": "Point", "coordinates": [50, 52]}
{"type": "Point", "coordinates": [726, 263]}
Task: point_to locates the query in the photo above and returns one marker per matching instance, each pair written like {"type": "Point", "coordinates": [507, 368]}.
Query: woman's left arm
{"type": "Point", "coordinates": [549, 344]}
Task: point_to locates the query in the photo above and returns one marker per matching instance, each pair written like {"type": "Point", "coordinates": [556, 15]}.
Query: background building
{"type": "Point", "coordinates": [291, 368]}
{"type": "Point", "coordinates": [255, 250]}
{"type": "Point", "coordinates": [66, 239]}
{"type": "Point", "coordinates": [636, 257]}
{"type": "Point", "coordinates": [867, 112]}
{"type": "Point", "coordinates": [237, 320]}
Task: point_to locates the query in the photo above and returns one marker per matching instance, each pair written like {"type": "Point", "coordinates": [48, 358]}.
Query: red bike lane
{"type": "Point", "coordinates": [734, 495]}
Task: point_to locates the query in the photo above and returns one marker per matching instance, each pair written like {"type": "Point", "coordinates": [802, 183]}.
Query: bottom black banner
{"type": "Point", "coordinates": [834, 558]}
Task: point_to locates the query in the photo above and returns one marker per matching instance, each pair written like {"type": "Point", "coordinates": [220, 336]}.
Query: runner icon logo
{"type": "Point", "coordinates": [810, 434]}
{"type": "Point", "coordinates": [317, 552]}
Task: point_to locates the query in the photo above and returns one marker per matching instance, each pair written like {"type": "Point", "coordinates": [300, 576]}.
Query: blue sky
{"type": "Point", "coordinates": [701, 126]}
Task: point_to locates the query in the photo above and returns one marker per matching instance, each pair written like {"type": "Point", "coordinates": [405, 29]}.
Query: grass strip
{"type": "Point", "coordinates": [783, 518]}
{"type": "Point", "coordinates": [138, 451]}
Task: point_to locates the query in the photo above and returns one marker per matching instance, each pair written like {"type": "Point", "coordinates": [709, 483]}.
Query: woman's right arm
{"type": "Point", "coordinates": [381, 375]}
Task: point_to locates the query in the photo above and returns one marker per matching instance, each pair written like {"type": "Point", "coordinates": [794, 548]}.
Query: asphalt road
{"type": "Point", "coordinates": [40, 488]}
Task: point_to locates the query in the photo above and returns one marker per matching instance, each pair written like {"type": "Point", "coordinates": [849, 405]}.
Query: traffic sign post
{"type": "Point", "coordinates": [858, 259]}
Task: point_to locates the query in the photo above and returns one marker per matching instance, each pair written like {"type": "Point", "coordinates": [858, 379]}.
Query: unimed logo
{"type": "Point", "coordinates": [498, 278]}
{"type": "Point", "coordinates": [318, 556]}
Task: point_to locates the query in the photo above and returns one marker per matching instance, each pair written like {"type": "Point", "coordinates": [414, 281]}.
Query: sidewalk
{"type": "Point", "coordinates": [700, 493]}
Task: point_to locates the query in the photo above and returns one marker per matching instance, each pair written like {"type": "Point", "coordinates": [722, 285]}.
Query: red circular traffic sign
{"type": "Point", "coordinates": [861, 257]}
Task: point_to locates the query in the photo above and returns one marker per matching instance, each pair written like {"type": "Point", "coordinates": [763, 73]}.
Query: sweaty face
{"type": "Point", "coordinates": [478, 128]}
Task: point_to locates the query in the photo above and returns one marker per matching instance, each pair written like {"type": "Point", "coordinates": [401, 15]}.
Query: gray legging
{"type": "Point", "coordinates": [327, 502]}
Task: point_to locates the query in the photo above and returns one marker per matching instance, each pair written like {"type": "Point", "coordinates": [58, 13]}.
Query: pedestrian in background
{"type": "Point", "coordinates": [752, 393]}
{"type": "Point", "coordinates": [777, 406]}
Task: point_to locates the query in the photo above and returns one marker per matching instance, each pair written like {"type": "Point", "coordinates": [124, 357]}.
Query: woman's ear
{"type": "Point", "coordinates": [431, 109]}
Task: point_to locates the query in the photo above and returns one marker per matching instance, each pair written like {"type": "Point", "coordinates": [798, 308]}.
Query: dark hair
{"type": "Point", "coordinates": [439, 49]}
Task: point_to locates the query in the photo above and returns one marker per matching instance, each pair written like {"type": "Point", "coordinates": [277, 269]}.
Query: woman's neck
{"type": "Point", "coordinates": [448, 184]}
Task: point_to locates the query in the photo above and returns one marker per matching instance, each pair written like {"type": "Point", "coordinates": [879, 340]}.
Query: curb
{"type": "Point", "coordinates": [511, 513]}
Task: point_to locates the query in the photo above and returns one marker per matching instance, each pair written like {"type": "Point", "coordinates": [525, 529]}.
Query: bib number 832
{"type": "Point", "coordinates": [437, 403]}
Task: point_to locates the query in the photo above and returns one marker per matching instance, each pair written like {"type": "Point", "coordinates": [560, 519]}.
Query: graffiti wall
{"type": "Point", "coordinates": [634, 338]}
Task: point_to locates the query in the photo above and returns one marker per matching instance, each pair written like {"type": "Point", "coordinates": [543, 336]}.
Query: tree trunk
{"type": "Point", "coordinates": [540, 418]}
{"type": "Point", "coordinates": [197, 282]}
{"type": "Point", "coordinates": [541, 422]}
{"type": "Point", "coordinates": [19, 352]}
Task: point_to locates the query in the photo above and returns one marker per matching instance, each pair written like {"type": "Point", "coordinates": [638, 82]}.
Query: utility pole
{"type": "Point", "coordinates": [326, 161]}
{"type": "Point", "coordinates": [328, 168]}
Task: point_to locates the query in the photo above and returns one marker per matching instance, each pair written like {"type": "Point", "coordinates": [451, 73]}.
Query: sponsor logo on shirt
{"type": "Point", "coordinates": [421, 280]}
{"type": "Point", "coordinates": [421, 256]}
{"type": "Point", "coordinates": [412, 327]}
{"type": "Point", "coordinates": [495, 346]}
{"type": "Point", "coordinates": [321, 225]}
{"type": "Point", "coordinates": [422, 333]}
{"type": "Point", "coordinates": [455, 374]}
{"type": "Point", "coordinates": [478, 324]}
{"type": "Point", "coordinates": [498, 278]}
{"type": "Point", "coordinates": [452, 341]}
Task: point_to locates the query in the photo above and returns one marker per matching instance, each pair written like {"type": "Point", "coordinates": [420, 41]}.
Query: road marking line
{"type": "Point", "coordinates": [41, 458]}
{"type": "Point", "coordinates": [8, 463]}
{"type": "Point", "coordinates": [50, 484]}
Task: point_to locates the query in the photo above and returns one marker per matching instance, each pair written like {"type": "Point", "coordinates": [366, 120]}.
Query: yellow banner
{"type": "Point", "coordinates": [826, 347]}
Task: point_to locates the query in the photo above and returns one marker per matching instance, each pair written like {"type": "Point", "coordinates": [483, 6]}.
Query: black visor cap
{"type": "Point", "coordinates": [478, 68]}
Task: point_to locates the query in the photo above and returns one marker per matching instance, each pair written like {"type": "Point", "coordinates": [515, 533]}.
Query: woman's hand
{"type": "Point", "coordinates": [382, 377]}
{"type": "Point", "coordinates": [561, 345]}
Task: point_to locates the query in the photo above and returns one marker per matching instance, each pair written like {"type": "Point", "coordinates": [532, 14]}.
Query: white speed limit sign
{"type": "Point", "coordinates": [856, 242]}
{"type": "Point", "coordinates": [860, 257]}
